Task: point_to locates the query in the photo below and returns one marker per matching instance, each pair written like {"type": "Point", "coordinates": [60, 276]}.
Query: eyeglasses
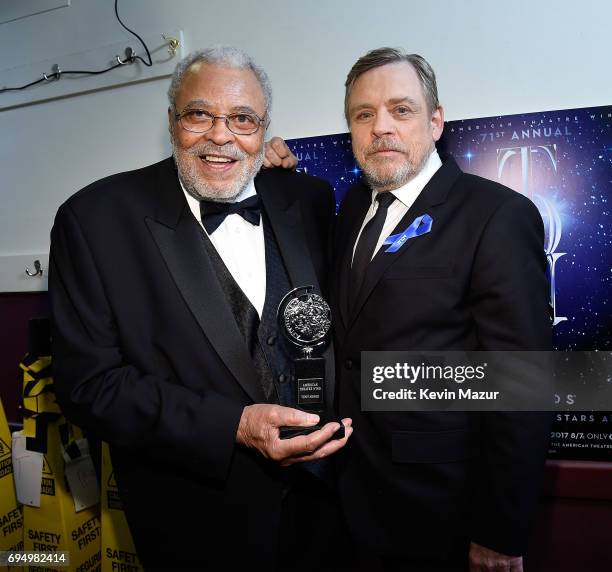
{"type": "Point", "coordinates": [200, 121]}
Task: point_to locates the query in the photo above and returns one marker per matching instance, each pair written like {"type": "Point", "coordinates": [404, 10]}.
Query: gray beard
{"type": "Point", "coordinates": [200, 189]}
{"type": "Point", "coordinates": [379, 181]}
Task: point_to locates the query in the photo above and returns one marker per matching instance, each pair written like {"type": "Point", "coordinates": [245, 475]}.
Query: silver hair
{"type": "Point", "coordinates": [224, 56]}
{"type": "Point", "coordinates": [382, 57]}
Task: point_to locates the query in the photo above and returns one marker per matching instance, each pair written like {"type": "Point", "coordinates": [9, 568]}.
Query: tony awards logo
{"type": "Point", "coordinates": [549, 212]}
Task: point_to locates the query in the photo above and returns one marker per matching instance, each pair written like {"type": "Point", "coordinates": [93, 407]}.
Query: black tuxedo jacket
{"type": "Point", "coordinates": [148, 356]}
{"type": "Point", "coordinates": [427, 483]}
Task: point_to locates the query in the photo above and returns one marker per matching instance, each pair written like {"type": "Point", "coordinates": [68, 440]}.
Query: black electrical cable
{"type": "Point", "coordinates": [57, 74]}
{"type": "Point", "coordinates": [150, 62]}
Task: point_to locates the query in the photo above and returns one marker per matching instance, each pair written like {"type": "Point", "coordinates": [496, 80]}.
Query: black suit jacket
{"type": "Point", "coordinates": [425, 483]}
{"type": "Point", "coordinates": [148, 356]}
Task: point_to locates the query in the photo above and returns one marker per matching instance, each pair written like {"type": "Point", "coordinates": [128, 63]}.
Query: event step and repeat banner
{"type": "Point", "coordinates": [562, 161]}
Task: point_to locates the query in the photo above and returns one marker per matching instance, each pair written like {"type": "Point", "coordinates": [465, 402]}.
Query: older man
{"type": "Point", "coordinates": [164, 285]}
{"type": "Point", "coordinates": [422, 491]}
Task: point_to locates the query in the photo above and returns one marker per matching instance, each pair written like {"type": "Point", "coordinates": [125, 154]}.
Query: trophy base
{"type": "Point", "coordinates": [290, 432]}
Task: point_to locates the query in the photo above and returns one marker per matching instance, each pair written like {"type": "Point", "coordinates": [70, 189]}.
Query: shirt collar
{"type": "Point", "coordinates": [408, 193]}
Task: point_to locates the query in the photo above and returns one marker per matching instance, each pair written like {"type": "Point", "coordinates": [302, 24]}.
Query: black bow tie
{"type": "Point", "coordinates": [213, 214]}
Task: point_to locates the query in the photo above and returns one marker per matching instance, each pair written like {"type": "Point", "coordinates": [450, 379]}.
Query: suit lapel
{"type": "Point", "coordinates": [355, 214]}
{"type": "Point", "coordinates": [434, 193]}
{"type": "Point", "coordinates": [285, 216]}
{"type": "Point", "coordinates": [179, 239]}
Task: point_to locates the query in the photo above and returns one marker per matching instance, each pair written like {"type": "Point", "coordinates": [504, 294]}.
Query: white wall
{"type": "Point", "coordinates": [491, 58]}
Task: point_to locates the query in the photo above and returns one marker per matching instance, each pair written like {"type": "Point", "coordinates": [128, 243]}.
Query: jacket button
{"type": "Point", "coordinates": [282, 378]}
{"type": "Point", "coordinates": [348, 364]}
{"type": "Point", "coordinates": [271, 340]}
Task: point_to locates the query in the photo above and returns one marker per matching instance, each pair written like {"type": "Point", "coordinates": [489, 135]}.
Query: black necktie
{"type": "Point", "coordinates": [366, 244]}
{"type": "Point", "coordinates": [213, 214]}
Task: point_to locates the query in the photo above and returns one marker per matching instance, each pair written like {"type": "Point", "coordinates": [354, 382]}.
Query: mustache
{"type": "Point", "coordinates": [209, 148]}
{"type": "Point", "coordinates": [384, 144]}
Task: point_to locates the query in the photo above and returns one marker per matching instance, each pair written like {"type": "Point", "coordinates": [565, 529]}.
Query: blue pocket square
{"type": "Point", "coordinates": [420, 225]}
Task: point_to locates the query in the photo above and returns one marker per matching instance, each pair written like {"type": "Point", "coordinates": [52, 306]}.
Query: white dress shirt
{"type": "Point", "coordinates": [242, 248]}
{"type": "Point", "coordinates": [405, 195]}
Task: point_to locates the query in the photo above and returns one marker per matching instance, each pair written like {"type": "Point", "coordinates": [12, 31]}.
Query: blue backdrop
{"type": "Point", "coordinates": [561, 160]}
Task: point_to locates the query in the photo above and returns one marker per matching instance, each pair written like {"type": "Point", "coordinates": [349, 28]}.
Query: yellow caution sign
{"type": "Point", "coordinates": [11, 516]}
{"type": "Point", "coordinates": [118, 552]}
{"type": "Point", "coordinates": [55, 525]}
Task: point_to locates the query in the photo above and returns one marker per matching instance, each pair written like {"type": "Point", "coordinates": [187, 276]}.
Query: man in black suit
{"type": "Point", "coordinates": [164, 283]}
{"type": "Point", "coordinates": [422, 491]}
